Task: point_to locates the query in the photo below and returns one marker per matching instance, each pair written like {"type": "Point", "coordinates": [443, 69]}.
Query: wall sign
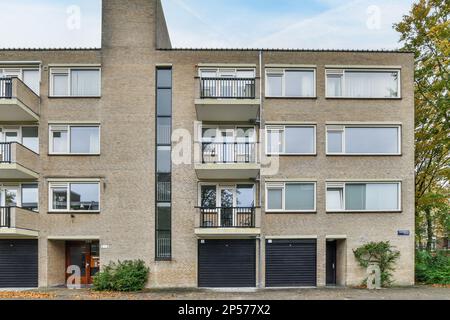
{"type": "Point", "coordinates": [403, 232]}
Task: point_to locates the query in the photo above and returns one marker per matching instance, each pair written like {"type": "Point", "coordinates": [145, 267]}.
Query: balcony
{"type": "Point", "coordinates": [228, 160]}
{"type": "Point", "coordinates": [227, 99]}
{"type": "Point", "coordinates": [17, 222]}
{"type": "Point", "coordinates": [228, 221]}
{"type": "Point", "coordinates": [18, 103]}
{"type": "Point", "coordinates": [17, 162]}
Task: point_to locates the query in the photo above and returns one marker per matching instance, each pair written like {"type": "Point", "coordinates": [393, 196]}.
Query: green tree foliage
{"type": "Point", "coordinates": [383, 254]}
{"type": "Point", "coordinates": [433, 268]}
{"type": "Point", "coordinates": [426, 32]}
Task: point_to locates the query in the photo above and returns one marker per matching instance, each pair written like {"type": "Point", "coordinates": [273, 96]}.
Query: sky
{"type": "Point", "coordinates": [305, 24]}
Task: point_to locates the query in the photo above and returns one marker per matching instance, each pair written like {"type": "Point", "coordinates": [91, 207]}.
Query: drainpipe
{"type": "Point", "coordinates": [260, 238]}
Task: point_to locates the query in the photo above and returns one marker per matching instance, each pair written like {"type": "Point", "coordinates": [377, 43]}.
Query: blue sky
{"type": "Point", "coordinates": [316, 24]}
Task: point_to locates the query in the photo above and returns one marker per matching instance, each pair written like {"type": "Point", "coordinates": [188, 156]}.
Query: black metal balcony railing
{"type": "Point", "coordinates": [5, 88]}
{"type": "Point", "coordinates": [227, 88]}
{"type": "Point", "coordinates": [5, 217]}
{"type": "Point", "coordinates": [228, 152]}
{"type": "Point", "coordinates": [5, 152]}
{"type": "Point", "coordinates": [237, 217]}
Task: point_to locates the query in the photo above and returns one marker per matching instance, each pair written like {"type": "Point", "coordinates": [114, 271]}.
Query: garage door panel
{"type": "Point", "coordinates": [291, 263]}
{"type": "Point", "coordinates": [18, 263]}
{"type": "Point", "coordinates": [226, 263]}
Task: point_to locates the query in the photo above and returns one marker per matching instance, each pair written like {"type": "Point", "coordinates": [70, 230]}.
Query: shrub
{"type": "Point", "coordinates": [432, 268]}
{"type": "Point", "coordinates": [381, 253]}
{"type": "Point", "coordinates": [126, 276]}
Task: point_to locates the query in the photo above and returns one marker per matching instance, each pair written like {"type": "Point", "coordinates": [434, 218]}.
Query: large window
{"type": "Point", "coordinates": [74, 139]}
{"type": "Point", "coordinates": [30, 196]}
{"type": "Point", "coordinates": [75, 82]}
{"type": "Point", "coordinates": [74, 196]}
{"type": "Point", "coordinates": [361, 196]}
{"type": "Point", "coordinates": [163, 223]}
{"type": "Point", "coordinates": [294, 140]}
{"type": "Point", "coordinates": [291, 197]}
{"type": "Point", "coordinates": [29, 76]}
{"type": "Point", "coordinates": [359, 140]}
{"type": "Point", "coordinates": [363, 83]}
{"type": "Point", "coordinates": [28, 136]}
{"type": "Point", "coordinates": [216, 195]}
{"type": "Point", "coordinates": [291, 83]}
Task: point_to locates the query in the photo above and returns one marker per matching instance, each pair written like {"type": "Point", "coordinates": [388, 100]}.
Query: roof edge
{"type": "Point", "coordinates": [50, 49]}
{"type": "Point", "coordinates": [287, 50]}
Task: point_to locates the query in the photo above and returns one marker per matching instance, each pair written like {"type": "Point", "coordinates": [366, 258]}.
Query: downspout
{"type": "Point", "coordinates": [260, 238]}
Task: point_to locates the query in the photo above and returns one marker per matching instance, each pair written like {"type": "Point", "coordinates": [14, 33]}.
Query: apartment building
{"type": "Point", "coordinates": [217, 167]}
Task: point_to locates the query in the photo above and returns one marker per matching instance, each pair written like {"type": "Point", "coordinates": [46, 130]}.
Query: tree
{"type": "Point", "coordinates": [426, 32]}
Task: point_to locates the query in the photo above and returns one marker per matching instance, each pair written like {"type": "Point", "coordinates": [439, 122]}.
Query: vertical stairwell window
{"type": "Point", "coordinates": [163, 230]}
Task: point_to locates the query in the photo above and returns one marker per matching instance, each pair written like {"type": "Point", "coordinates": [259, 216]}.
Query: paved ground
{"type": "Point", "coordinates": [408, 293]}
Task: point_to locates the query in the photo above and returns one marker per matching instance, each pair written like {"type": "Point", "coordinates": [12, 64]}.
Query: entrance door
{"type": "Point", "coordinates": [84, 255]}
{"type": "Point", "coordinates": [227, 202]}
{"type": "Point", "coordinates": [331, 263]}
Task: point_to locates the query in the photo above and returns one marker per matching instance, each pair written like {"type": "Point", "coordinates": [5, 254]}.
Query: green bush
{"type": "Point", "coordinates": [381, 253]}
{"type": "Point", "coordinates": [126, 276]}
{"type": "Point", "coordinates": [432, 268]}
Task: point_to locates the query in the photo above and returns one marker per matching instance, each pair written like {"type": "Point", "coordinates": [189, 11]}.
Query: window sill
{"type": "Point", "coordinates": [74, 212]}
{"type": "Point", "coordinates": [74, 154]}
{"type": "Point", "coordinates": [290, 212]}
{"type": "Point", "coordinates": [292, 98]}
{"type": "Point", "coordinates": [292, 155]}
{"type": "Point", "coordinates": [356, 98]}
{"type": "Point", "coordinates": [74, 97]}
{"type": "Point", "coordinates": [364, 154]}
{"type": "Point", "coordinates": [362, 212]}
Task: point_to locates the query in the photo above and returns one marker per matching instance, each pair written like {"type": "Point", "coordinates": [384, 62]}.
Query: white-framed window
{"type": "Point", "coordinates": [363, 196]}
{"type": "Point", "coordinates": [75, 82]}
{"type": "Point", "coordinates": [74, 139]}
{"type": "Point", "coordinates": [28, 136]}
{"type": "Point", "coordinates": [291, 140]}
{"type": "Point", "coordinates": [294, 83]}
{"type": "Point", "coordinates": [228, 144]}
{"type": "Point", "coordinates": [30, 196]}
{"type": "Point", "coordinates": [291, 197]}
{"type": "Point", "coordinates": [363, 83]}
{"type": "Point", "coordinates": [363, 139]}
{"type": "Point", "coordinates": [25, 195]}
{"type": "Point", "coordinates": [74, 196]}
{"type": "Point", "coordinates": [31, 76]}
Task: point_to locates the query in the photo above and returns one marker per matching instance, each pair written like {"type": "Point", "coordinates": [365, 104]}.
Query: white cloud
{"type": "Point", "coordinates": [194, 23]}
{"type": "Point", "coordinates": [342, 26]}
{"type": "Point", "coordinates": [45, 25]}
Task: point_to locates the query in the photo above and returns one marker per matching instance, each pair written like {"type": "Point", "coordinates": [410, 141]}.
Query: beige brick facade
{"type": "Point", "coordinates": [125, 226]}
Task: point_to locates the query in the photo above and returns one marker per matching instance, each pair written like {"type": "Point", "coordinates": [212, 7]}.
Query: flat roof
{"type": "Point", "coordinates": [225, 49]}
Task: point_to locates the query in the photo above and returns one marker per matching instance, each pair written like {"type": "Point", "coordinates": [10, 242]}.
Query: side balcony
{"type": "Point", "coordinates": [228, 222]}
{"type": "Point", "coordinates": [228, 161]}
{"type": "Point", "coordinates": [18, 103]}
{"type": "Point", "coordinates": [227, 99]}
{"type": "Point", "coordinates": [17, 162]}
{"type": "Point", "coordinates": [16, 222]}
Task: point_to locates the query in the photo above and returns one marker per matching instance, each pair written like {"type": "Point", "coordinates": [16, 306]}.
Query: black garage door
{"type": "Point", "coordinates": [226, 263]}
{"type": "Point", "coordinates": [291, 263]}
{"type": "Point", "coordinates": [18, 263]}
